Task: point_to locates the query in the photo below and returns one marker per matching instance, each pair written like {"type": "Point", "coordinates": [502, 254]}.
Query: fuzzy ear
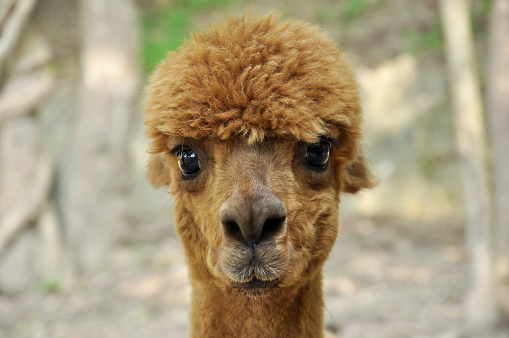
{"type": "Point", "coordinates": [358, 176]}
{"type": "Point", "coordinates": [157, 172]}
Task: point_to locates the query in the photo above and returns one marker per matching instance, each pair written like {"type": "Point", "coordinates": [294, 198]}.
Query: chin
{"type": "Point", "coordinates": [257, 287]}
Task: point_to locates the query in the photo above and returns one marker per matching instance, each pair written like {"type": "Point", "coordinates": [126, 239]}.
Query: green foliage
{"type": "Point", "coordinates": [352, 9]}
{"type": "Point", "coordinates": [485, 6]}
{"type": "Point", "coordinates": [165, 31]}
{"type": "Point", "coordinates": [346, 10]}
{"type": "Point", "coordinates": [48, 285]}
{"type": "Point", "coordinates": [417, 41]}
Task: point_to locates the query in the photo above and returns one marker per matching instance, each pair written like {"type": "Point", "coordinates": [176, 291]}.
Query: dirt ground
{"type": "Point", "coordinates": [383, 279]}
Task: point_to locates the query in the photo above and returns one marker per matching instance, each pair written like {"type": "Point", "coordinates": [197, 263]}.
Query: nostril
{"type": "Point", "coordinates": [231, 221]}
{"type": "Point", "coordinates": [252, 220]}
{"type": "Point", "coordinates": [272, 226]}
{"type": "Point", "coordinates": [232, 229]}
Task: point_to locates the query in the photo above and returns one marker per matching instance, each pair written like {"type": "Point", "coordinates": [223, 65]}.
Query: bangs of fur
{"type": "Point", "coordinates": [254, 77]}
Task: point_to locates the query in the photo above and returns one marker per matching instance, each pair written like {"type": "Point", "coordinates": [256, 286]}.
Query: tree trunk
{"type": "Point", "coordinates": [94, 173]}
{"type": "Point", "coordinates": [26, 169]}
{"type": "Point", "coordinates": [471, 141]}
{"type": "Point", "coordinates": [498, 113]}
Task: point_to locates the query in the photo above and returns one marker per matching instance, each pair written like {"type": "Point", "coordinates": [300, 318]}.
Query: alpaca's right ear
{"type": "Point", "coordinates": [358, 176]}
{"type": "Point", "coordinates": [157, 172]}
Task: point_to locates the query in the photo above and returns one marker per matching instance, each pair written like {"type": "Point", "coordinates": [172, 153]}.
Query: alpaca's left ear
{"type": "Point", "coordinates": [358, 176]}
{"type": "Point", "coordinates": [157, 172]}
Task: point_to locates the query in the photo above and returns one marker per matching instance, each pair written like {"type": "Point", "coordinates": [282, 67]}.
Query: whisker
{"type": "Point", "coordinates": [162, 208]}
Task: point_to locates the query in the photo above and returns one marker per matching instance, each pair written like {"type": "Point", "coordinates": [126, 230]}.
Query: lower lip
{"type": "Point", "coordinates": [257, 285]}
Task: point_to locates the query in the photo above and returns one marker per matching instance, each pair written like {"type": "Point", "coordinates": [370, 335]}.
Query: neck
{"type": "Point", "coordinates": [291, 312]}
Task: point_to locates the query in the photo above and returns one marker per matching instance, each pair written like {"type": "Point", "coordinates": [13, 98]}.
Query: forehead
{"type": "Point", "coordinates": [236, 144]}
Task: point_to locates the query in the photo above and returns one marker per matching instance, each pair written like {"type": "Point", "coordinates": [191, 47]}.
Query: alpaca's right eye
{"type": "Point", "coordinates": [189, 163]}
{"type": "Point", "coordinates": [317, 155]}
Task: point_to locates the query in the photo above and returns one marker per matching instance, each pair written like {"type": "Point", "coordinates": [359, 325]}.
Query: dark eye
{"type": "Point", "coordinates": [188, 161]}
{"type": "Point", "coordinates": [317, 154]}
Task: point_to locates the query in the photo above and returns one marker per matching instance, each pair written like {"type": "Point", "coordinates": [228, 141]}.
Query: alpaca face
{"type": "Point", "coordinates": [255, 125]}
{"type": "Point", "coordinates": [265, 213]}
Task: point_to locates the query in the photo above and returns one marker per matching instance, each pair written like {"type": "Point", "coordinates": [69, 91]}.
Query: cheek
{"type": "Point", "coordinates": [206, 216]}
{"type": "Point", "coordinates": [312, 225]}
{"type": "Point", "coordinates": [337, 171]}
{"type": "Point", "coordinates": [203, 207]}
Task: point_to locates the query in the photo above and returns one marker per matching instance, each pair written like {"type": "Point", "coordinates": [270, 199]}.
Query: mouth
{"type": "Point", "coordinates": [257, 287]}
{"type": "Point", "coordinates": [254, 271]}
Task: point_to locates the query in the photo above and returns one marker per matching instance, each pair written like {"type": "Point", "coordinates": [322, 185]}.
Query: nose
{"type": "Point", "coordinates": [253, 219]}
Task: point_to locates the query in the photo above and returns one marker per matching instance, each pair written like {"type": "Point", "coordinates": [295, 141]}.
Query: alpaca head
{"type": "Point", "coordinates": [255, 125]}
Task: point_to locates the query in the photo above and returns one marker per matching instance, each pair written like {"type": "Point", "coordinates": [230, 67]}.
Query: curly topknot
{"type": "Point", "coordinates": [254, 77]}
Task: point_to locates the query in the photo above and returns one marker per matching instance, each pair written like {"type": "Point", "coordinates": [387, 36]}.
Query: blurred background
{"type": "Point", "coordinates": [88, 248]}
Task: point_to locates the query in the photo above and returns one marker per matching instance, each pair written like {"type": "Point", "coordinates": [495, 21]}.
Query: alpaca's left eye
{"type": "Point", "coordinates": [317, 154]}
{"type": "Point", "coordinates": [188, 161]}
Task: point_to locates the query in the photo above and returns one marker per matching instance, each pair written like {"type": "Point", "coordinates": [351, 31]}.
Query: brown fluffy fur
{"type": "Point", "coordinates": [247, 95]}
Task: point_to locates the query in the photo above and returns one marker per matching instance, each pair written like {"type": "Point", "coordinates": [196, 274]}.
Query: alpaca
{"type": "Point", "coordinates": [255, 125]}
